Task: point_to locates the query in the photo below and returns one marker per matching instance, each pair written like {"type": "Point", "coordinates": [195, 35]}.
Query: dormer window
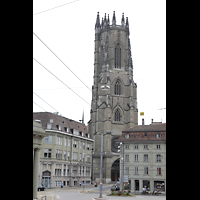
{"type": "Point", "coordinates": [49, 126]}
{"type": "Point", "coordinates": [127, 136]}
{"type": "Point", "coordinates": [58, 127]}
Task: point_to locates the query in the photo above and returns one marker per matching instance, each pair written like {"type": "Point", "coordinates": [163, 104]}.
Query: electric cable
{"type": "Point", "coordinates": [54, 8]}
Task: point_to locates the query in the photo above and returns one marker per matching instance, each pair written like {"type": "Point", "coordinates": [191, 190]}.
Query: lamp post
{"type": "Point", "coordinates": [101, 166]}
{"type": "Point", "coordinates": [121, 159]}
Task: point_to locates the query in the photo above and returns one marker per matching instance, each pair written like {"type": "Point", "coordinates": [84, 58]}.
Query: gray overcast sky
{"type": "Point", "coordinates": [69, 32]}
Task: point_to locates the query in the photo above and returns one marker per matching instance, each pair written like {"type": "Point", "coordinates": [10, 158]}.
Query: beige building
{"type": "Point", "coordinates": [66, 156]}
{"type": "Point", "coordinates": [144, 157]}
{"type": "Point", "coordinates": [38, 135]}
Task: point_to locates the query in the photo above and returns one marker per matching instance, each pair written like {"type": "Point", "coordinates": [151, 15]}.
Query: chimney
{"type": "Point", "coordinates": [152, 121]}
{"type": "Point", "coordinates": [142, 121]}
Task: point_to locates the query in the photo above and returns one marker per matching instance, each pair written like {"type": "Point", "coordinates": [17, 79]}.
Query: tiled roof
{"type": "Point", "coordinates": [59, 120]}
{"type": "Point", "coordinates": [144, 133]}
{"type": "Point", "coordinates": [151, 127]}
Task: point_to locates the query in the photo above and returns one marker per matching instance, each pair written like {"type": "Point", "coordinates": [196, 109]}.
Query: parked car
{"type": "Point", "coordinates": [41, 188]}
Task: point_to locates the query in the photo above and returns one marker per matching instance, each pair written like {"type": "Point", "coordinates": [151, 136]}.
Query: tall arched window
{"type": "Point", "coordinates": [117, 56]}
{"type": "Point", "coordinates": [118, 87]}
{"type": "Point", "coordinates": [117, 115]}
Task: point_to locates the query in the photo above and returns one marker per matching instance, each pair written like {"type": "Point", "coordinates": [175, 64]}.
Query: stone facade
{"type": "Point", "coordinates": [66, 153]}
{"type": "Point", "coordinates": [114, 93]}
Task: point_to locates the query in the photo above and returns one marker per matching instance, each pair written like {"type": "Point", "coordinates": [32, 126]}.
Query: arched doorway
{"type": "Point", "coordinates": [46, 179]}
{"type": "Point", "coordinates": [115, 171]}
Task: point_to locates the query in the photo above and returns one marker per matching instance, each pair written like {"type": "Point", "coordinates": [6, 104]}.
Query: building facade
{"type": "Point", "coordinates": [38, 135]}
{"type": "Point", "coordinates": [66, 156]}
{"type": "Point", "coordinates": [144, 157]}
{"type": "Point", "coordinates": [114, 93]}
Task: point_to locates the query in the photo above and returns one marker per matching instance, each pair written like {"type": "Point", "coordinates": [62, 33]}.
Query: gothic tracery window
{"type": "Point", "coordinates": [118, 87]}
{"type": "Point", "coordinates": [117, 115]}
{"type": "Point", "coordinates": [117, 56]}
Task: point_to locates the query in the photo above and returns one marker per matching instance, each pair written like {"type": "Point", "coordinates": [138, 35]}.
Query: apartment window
{"type": "Point", "coordinates": [48, 139]}
{"type": "Point", "coordinates": [146, 170]}
{"type": "Point", "coordinates": [65, 155]}
{"type": "Point", "coordinates": [47, 153]}
{"type": "Point", "coordinates": [69, 142]}
{"type": "Point", "coordinates": [136, 157]}
{"type": "Point", "coordinates": [126, 158]}
{"type": "Point", "coordinates": [75, 156]}
{"type": "Point", "coordinates": [126, 170]}
{"type": "Point", "coordinates": [68, 155]}
{"type": "Point", "coordinates": [59, 140]}
{"type": "Point", "coordinates": [58, 154]}
{"type": "Point", "coordinates": [145, 146]}
{"type": "Point", "coordinates": [58, 169]}
{"type": "Point", "coordinates": [88, 158]}
{"type": "Point", "coordinates": [145, 158]}
{"type": "Point", "coordinates": [83, 157]}
{"type": "Point", "coordinates": [68, 170]}
{"type": "Point", "coordinates": [88, 146]}
{"type": "Point", "coordinates": [136, 146]}
{"type": "Point", "coordinates": [83, 145]}
{"type": "Point", "coordinates": [75, 143]}
{"type": "Point", "coordinates": [80, 156]}
{"type": "Point", "coordinates": [159, 171]}
{"type": "Point", "coordinates": [136, 170]}
{"type": "Point", "coordinates": [158, 146]}
{"type": "Point", "coordinates": [158, 158]}
{"type": "Point", "coordinates": [127, 146]}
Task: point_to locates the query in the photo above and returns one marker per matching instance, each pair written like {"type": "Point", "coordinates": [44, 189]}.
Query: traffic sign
{"type": "Point", "coordinates": [100, 183]}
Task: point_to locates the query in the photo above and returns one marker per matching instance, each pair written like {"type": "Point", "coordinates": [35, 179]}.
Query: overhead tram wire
{"type": "Point", "coordinates": [64, 84]}
{"type": "Point", "coordinates": [63, 63]}
{"type": "Point", "coordinates": [39, 106]}
{"type": "Point", "coordinates": [61, 82]}
{"type": "Point", "coordinates": [54, 8]}
{"type": "Point", "coordinates": [45, 101]}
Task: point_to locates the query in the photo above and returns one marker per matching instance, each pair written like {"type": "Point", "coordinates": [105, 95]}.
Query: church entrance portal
{"type": "Point", "coordinates": [115, 171]}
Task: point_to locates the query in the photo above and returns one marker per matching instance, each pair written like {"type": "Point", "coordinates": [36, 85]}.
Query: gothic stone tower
{"type": "Point", "coordinates": [114, 97]}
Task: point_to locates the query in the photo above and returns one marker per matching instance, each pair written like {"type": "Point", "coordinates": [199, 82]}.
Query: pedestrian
{"type": "Point", "coordinates": [62, 185]}
{"type": "Point", "coordinates": [80, 184]}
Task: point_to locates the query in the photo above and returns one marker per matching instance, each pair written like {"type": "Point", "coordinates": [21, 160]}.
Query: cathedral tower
{"type": "Point", "coordinates": [114, 93]}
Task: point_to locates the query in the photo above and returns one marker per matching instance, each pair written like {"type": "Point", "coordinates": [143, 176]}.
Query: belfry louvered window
{"type": "Point", "coordinates": [118, 87]}
{"type": "Point", "coordinates": [117, 56]}
{"type": "Point", "coordinates": [117, 115]}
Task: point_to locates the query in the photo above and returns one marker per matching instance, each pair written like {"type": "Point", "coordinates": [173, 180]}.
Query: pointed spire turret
{"type": "Point", "coordinates": [105, 21]}
{"type": "Point", "coordinates": [122, 21]}
{"type": "Point", "coordinates": [114, 19]}
{"type": "Point", "coordinates": [108, 21]}
{"type": "Point", "coordinates": [83, 117]}
{"type": "Point", "coordinates": [102, 22]}
{"type": "Point", "coordinates": [97, 25]}
{"type": "Point", "coordinates": [127, 26]}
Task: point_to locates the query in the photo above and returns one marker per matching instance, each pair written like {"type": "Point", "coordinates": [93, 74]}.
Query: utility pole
{"type": "Point", "coordinates": [101, 166]}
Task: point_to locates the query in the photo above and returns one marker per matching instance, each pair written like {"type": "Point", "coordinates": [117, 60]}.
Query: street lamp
{"type": "Point", "coordinates": [120, 149]}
